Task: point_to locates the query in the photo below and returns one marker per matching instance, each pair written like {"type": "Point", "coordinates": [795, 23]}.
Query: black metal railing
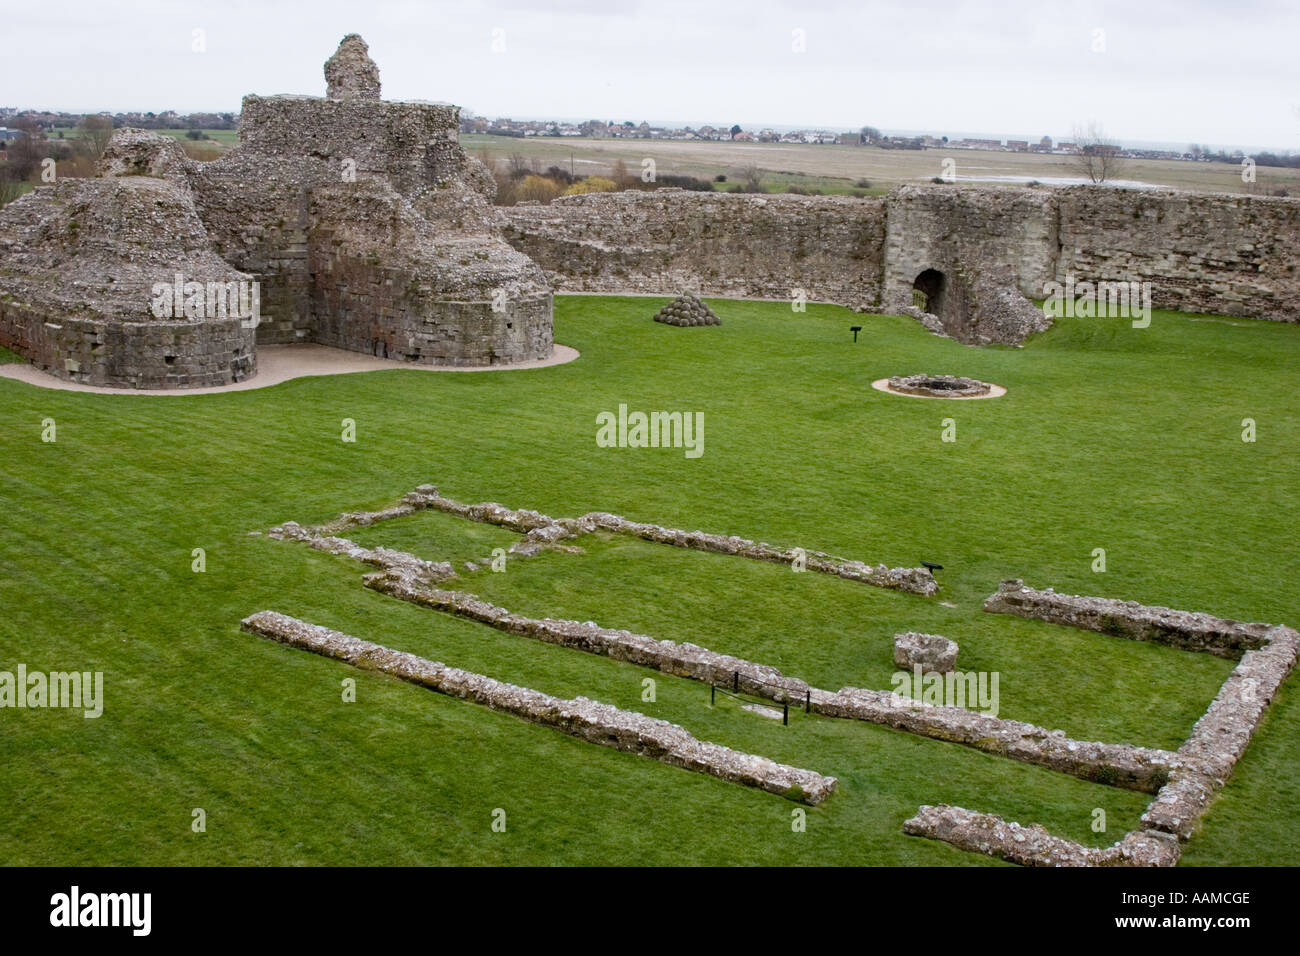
{"type": "Point", "coordinates": [735, 692]}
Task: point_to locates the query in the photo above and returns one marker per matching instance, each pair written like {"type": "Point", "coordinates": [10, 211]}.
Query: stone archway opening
{"type": "Point", "coordinates": [928, 291]}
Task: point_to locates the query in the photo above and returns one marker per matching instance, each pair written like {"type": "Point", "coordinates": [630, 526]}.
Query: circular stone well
{"type": "Point", "coordinates": [938, 386]}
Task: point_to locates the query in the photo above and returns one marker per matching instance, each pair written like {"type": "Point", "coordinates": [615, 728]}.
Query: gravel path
{"type": "Point", "coordinates": [280, 363]}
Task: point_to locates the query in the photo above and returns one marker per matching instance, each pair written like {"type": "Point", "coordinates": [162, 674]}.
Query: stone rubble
{"type": "Point", "coordinates": [542, 531]}
{"type": "Point", "coordinates": [1033, 845]}
{"type": "Point", "coordinates": [935, 654]}
{"type": "Point", "coordinates": [1161, 625]}
{"type": "Point", "coordinates": [586, 719]}
{"type": "Point", "coordinates": [1223, 733]}
{"type": "Point", "coordinates": [387, 559]}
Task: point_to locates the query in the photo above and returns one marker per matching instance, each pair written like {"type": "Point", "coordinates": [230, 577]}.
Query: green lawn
{"type": "Point", "coordinates": [1111, 437]}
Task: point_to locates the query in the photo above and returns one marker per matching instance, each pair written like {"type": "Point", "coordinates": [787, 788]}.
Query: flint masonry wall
{"type": "Point", "coordinates": [716, 244]}
{"type": "Point", "coordinates": [1201, 252]}
{"type": "Point", "coordinates": [142, 354]}
{"type": "Point", "coordinates": [955, 228]}
{"type": "Point", "coordinates": [80, 260]}
{"type": "Point", "coordinates": [368, 226]}
{"type": "Point", "coordinates": [1227, 255]}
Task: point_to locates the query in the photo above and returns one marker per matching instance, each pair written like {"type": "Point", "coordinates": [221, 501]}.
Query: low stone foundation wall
{"type": "Point", "coordinates": [1161, 625]}
{"type": "Point", "coordinates": [586, 719]}
{"type": "Point", "coordinates": [542, 531]}
{"type": "Point", "coordinates": [387, 559]}
{"type": "Point", "coordinates": [1204, 762]}
{"type": "Point", "coordinates": [1120, 765]}
{"type": "Point", "coordinates": [1032, 845]}
{"type": "Point", "coordinates": [1144, 769]}
{"type": "Point", "coordinates": [411, 579]}
{"type": "Point", "coordinates": [1221, 736]}
{"type": "Point", "coordinates": [1185, 782]}
{"type": "Point", "coordinates": [669, 657]}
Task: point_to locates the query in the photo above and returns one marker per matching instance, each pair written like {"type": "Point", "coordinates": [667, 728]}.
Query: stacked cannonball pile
{"type": "Point", "coordinates": [687, 310]}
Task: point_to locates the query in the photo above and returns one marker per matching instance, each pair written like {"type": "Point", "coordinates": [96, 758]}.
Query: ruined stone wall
{"type": "Point", "coordinates": [1189, 630]}
{"type": "Point", "coordinates": [1226, 255]}
{"type": "Point", "coordinates": [410, 144]}
{"type": "Point", "coordinates": [260, 224]}
{"type": "Point", "coordinates": [81, 259]}
{"type": "Point", "coordinates": [387, 312]}
{"type": "Point", "coordinates": [1202, 252]}
{"type": "Point", "coordinates": [960, 231]}
{"type": "Point", "coordinates": [363, 223]}
{"type": "Point", "coordinates": [586, 719]}
{"type": "Point", "coordinates": [669, 240]}
{"type": "Point", "coordinates": [176, 354]}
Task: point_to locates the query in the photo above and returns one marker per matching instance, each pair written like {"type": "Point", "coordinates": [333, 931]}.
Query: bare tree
{"type": "Point", "coordinates": [1098, 157]}
{"type": "Point", "coordinates": [95, 132]}
{"type": "Point", "coordinates": [520, 166]}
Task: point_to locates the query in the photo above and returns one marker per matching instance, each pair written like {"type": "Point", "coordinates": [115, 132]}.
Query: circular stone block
{"type": "Point", "coordinates": [935, 654]}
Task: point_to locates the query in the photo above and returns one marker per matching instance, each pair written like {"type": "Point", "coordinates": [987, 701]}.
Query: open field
{"type": "Point", "coordinates": [1109, 436]}
{"type": "Point", "coordinates": [225, 138]}
{"type": "Point", "coordinates": [837, 168]}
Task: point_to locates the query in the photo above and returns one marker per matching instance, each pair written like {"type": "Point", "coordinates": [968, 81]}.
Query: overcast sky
{"type": "Point", "coordinates": [1186, 71]}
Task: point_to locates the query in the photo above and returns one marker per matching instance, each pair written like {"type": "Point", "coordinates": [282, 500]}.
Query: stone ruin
{"type": "Point", "coordinates": [363, 223]}
{"type": "Point", "coordinates": [1184, 782]}
{"type": "Point", "coordinates": [933, 653]}
{"type": "Point", "coordinates": [686, 310]}
{"type": "Point", "coordinates": [978, 255]}
{"type": "Point", "coordinates": [939, 386]}
{"type": "Point", "coordinates": [580, 717]}
{"type": "Point", "coordinates": [367, 227]}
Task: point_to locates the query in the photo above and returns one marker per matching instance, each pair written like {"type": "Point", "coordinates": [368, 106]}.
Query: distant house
{"type": "Point", "coordinates": [7, 133]}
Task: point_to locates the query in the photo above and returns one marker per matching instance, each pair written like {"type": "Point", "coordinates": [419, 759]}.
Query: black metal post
{"type": "Point", "coordinates": [785, 713]}
{"type": "Point", "coordinates": [807, 702]}
{"type": "Point", "coordinates": [735, 681]}
{"type": "Point", "coordinates": [713, 694]}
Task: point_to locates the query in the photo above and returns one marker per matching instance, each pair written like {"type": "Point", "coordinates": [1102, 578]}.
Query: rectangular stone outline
{"type": "Point", "coordinates": [411, 579]}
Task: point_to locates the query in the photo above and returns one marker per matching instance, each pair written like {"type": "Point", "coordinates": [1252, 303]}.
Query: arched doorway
{"type": "Point", "coordinates": [928, 291]}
